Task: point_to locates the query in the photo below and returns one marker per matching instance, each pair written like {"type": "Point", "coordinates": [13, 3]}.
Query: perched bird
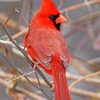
{"type": "Point", "coordinates": [46, 46]}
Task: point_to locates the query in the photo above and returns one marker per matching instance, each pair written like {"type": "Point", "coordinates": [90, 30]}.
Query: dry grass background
{"type": "Point", "coordinates": [17, 79]}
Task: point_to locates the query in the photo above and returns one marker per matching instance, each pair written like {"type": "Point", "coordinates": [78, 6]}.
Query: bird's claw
{"type": "Point", "coordinates": [35, 65]}
{"type": "Point", "coordinates": [53, 87]}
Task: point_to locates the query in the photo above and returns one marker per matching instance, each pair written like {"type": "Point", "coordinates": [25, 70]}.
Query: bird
{"type": "Point", "coordinates": [46, 45]}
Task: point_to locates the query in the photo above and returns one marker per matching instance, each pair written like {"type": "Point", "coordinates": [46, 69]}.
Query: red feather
{"type": "Point", "coordinates": [45, 43]}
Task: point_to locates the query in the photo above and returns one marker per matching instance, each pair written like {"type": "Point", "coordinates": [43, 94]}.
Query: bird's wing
{"type": "Point", "coordinates": [47, 41]}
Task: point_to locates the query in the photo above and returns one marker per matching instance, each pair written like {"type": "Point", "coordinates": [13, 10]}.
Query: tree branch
{"type": "Point", "coordinates": [25, 55]}
{"type": "Point", "coordinates": [83, 78]}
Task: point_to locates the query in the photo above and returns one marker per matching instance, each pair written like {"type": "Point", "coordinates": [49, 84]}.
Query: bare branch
{"type": "Point", "coordinates": [80, 5]}
{"type": "Point", "coordinates": [30, 94]}
{"type": "Point", "coordinates": [21, 90]}
{"type": "Point", "coordinates": [10, 23]}
{"type": "Point", "coordinates": [83, 78]}
{"type": "Point", "coordinates": [25, 30]}
{"type": "Point", "coordinates": [26, 56]}
{"type": "Point", "coordinates": [85, 93]}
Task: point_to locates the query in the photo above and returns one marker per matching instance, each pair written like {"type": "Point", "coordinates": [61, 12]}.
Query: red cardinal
{"type": "Point", "coordinates": [46, 45]}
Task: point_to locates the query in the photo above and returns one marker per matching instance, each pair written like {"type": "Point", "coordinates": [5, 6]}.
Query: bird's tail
{"type": "Point", "coordinates": [60, 80]}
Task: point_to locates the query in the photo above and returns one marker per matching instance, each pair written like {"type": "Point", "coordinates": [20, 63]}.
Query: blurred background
{"type": "Point", "coordinates": [82, 32]}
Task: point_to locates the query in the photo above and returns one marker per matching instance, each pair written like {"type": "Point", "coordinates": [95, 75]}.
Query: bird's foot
{"type": "Point", "coordinates": [53, 87]}
{"type": "Point", "coordinates": [35, 65]}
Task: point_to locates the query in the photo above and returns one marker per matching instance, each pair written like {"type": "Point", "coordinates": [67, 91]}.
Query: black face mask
{"type": "Point", "coordinates": [53, 18]}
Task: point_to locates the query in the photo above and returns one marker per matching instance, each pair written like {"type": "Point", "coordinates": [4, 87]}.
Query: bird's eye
{"type": "Point", "coordinates": [51, 17]}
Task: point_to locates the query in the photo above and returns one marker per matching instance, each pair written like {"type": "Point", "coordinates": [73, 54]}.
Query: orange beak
{"type": "Point", "coordinates": [61, 19]}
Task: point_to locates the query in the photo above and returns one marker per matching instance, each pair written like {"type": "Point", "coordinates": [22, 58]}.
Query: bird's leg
{"type": "Point", "coordinates": [35, 64]}
{"type": "Point", "coordinates": [53, 87]}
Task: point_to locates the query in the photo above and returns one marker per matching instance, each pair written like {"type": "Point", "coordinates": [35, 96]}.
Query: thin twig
{"type": "Point", "coordinates": [15, 36]}
{"type": "Point", "coordinates": [77, 77]}
{"type": "Point", "coordinates": [83, 78]}
{"type": "Point", "coordinates": [86, 93]}
{"type": "Point", "coordinates": [20, 73]}
{"type": "Point", "coordinates": [61, 4]}
{"type": "Point", "coordinates": [69, 76]}
{"type": "Point", "coordinates": [79, 67]}
{"type": "Point", "coordinates": [94, 60]}
{"type": "Point", "coordinates": [82, 60]}
{"type": "Point", "coordinates": [41, 87]}
{"type": "Point", "coordinates": [21, 90]}
{"type": "Point", "coordinates": [25, 55]}
{"type": "Point", "coordinates": [80, 5]}
{"type": "Point", "coordinates": [21, 11]}
{"type": "Point", "coordinates": [30, 10]}
{"type": "Point", "coordinates": [11, 22]}
{"type": "Point", "coordinates": [32, 95]}
{"type": "Point", "coordinates": [10, 77]}
{"type": "Point", "coordinates": [24, 75]}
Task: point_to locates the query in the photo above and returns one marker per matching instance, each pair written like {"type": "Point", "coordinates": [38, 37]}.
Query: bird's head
{"type": "Point", "coordinates": [50, 14]}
